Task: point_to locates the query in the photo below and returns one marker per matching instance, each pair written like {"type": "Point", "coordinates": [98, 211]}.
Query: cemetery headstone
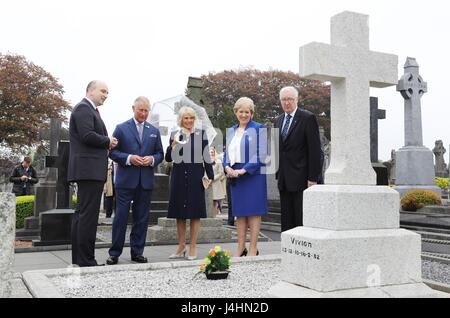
{"type": "Point", "coordinates": [414, 162]}
{"type": "Point", "coordinates": [7, 232]}
{"type": "Point", "coordinates": [440, 166]}
{"type": "Point", "coordinates": [350, 244]}
{"type": "Point", "coordinates": [375, 115]}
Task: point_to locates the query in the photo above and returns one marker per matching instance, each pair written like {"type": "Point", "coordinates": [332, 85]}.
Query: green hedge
{"type": "Point", "coordinates": [442, 183]}
{"type": "Point", "coordinates": [24, 209]}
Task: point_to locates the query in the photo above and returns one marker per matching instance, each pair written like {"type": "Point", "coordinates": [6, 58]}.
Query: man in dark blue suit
{"type": "Point", "coordinates": [138, 153]}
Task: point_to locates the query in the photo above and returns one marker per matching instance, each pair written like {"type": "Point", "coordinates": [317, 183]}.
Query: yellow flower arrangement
{"type": "Point", "coordinates": [218, 260]}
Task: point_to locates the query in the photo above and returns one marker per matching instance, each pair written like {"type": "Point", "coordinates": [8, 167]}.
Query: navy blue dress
{"type": "Point", "coordinates": [249, 191]}
{"type": "Point", "coordinates": [187, 194]}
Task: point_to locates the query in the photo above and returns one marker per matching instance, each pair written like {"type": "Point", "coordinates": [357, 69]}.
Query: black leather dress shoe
{"type": "Point", "coordinates": [112, 260]}
{"type": "Point", "coordinates": [139, 259]}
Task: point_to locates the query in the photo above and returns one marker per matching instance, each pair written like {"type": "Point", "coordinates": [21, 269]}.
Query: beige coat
{"type": "Point", "coordinates": [108, 187]}
{"type": "Point", "coordinates": [219, 182]}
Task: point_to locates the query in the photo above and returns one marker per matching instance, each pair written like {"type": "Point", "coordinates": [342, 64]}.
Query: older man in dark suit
{"type": "Point", "coordinates": [299, 159]}
{"type": "Point", "coordinates": [88, 163]}
{"type": "Point", "coordinates": [139, 153]}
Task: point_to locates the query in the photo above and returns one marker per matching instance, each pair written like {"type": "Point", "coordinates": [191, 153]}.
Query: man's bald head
{"type": "Point", "coordinates": [97, 92]}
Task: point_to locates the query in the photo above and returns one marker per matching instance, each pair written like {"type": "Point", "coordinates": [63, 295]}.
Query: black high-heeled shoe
{"type": "Point", "coordinates": [257, 252]}
{"type": "Point", "coordinates": [244, 252]}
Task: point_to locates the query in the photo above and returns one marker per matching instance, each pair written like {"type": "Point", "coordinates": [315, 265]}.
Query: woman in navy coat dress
{"type": "Point", "coordinates": [189, 151]}
{"type": "Point", "coordinates": [244, 159]}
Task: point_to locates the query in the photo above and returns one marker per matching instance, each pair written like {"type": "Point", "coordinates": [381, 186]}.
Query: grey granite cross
{"type": "Point", "coordinates": [412, 87]}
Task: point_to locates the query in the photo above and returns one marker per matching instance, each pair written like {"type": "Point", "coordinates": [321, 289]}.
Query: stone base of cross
{"type": "Point", "coordinates": [350, 244]}
{"type": "Point", "coordinates": [415, 170]}
{"type": "Point", "coordinates": [7, 234]}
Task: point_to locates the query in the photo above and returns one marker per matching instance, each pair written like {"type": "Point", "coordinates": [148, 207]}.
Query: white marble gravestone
{"type": "Point", "coordinates": [7, 233]}
{"type": "Point", "coordinates": [350, 244]}
{"type": "Point", "coordinates": [414, 166]}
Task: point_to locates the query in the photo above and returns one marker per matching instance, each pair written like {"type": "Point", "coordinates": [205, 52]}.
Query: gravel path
{"type": "Point", "coordinates": [182, 282]}
{"type": "Point", "coordinates": [435, 271]}
{"type": "Point", "coordinates": [246, 280]}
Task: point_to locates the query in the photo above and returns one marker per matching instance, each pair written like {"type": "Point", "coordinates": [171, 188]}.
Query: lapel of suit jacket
{"type": "Point", "coordinates": [279, 124]}
{"type": "Point", "coordinates": [105, 132]}
{"type": "Point", "coordinates": [146, 133]}
{"type": "Point", "coordinates": [298, 118]}
{"type": "Point", "coordinates": [133, 129]}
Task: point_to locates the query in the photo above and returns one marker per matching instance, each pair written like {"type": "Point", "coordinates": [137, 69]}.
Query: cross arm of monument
{"type": "Point", "coordinates": [382, 69]}
{"type": "Point", "coordinates": [325, 62]}
{"type": "Point", "coordinates": [321, 62]}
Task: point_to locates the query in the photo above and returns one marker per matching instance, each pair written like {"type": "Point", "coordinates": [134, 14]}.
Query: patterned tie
{"type": "Point", "coordinates": [284, 132]}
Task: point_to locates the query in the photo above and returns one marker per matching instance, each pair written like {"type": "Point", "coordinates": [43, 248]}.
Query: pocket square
{"type": "Point", "coordinates": [153, 136]}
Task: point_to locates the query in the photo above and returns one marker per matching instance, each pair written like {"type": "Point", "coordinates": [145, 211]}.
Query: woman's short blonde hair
{"type": "Point", "coordinates": [186, 110]}
{"type": "Point", "coordinates": [244, 102]}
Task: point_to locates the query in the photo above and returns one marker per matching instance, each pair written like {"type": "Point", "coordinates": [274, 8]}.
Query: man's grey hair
{"type": "Point", "coordinates": [143, 99]}
{"type": "Point", "coordinates": [291, 89]}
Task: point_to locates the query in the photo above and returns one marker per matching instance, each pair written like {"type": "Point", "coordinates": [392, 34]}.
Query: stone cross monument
{"type": "Point", "coordinates": [440, 165]}
{"type": "Point", "coordinates": [350, 244]}
{"type": "Point", "coordinates": [7, 232]}
{"type": "Point", "coordinates": [375, 115]}
{"type": "Point", "coordinates": [351, 67]}
{"type": "Point", "coordinates": [414, 165]}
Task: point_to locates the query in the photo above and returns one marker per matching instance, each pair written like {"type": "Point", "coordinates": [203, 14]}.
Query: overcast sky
{"type": "Point", "coordinates": [151, 47]}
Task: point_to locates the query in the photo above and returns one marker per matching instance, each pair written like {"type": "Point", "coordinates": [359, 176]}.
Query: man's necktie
{"type": "Point", "coordinates": [284, 132]}
{"type": "Point", "coordinates": [96, 109]}
{"type": "Point", "coordinates": [140, 130]}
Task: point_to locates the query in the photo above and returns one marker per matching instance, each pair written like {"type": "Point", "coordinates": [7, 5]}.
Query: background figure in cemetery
{"type": "Point", "coordinates": [218, 184]}
{"type": "Point", "coordinates": [108, 191]}
{"type": "Point", "coordinates": [190, 157]}
{"type": "Point", "coordinates": [24, 177]}
{"type": "Point", "coordinates": [137, 155]}
{"type": "Point", "coordinates": [245, 153]}
{"type": "Point", "coordinates": [300, 157]}
{"type": "Point", "coordinates": [88, 164]}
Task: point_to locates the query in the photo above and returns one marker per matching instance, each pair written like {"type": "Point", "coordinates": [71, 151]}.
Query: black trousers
{"type": "Point", "coordinates": [291, 209]}
{"type": "Point", "coordinates": [84, 222]}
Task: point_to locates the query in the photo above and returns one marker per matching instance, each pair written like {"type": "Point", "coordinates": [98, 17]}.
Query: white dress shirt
{"type": "Point", "coordinates": [234, 148]}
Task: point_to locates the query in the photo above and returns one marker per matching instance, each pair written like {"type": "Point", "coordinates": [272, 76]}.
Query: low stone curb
{"type": "Point", "coordinates": [40, 285]}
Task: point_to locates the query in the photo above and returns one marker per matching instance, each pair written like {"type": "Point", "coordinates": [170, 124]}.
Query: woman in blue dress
{"type": "Point", "coordinates": [244, 159]}
{"type": "Point", "coordinates": [189, 151]}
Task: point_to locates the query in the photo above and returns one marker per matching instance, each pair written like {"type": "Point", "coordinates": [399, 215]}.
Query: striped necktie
{"type": "Point", "coordinates": [284, 132]}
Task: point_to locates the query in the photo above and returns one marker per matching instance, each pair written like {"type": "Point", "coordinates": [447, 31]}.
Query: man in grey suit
{"type": "Point", "coordinates": [299, 162]}
{"type": "Point", "coordinates": [88, 162]}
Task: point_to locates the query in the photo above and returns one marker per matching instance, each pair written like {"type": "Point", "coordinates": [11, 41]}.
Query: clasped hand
{"type": "Point", "coordinates": [231, 173]}
{"type": "Point", "coordinates": [113, 142]}
{"type": "Point", "coordinates": [141, 161]}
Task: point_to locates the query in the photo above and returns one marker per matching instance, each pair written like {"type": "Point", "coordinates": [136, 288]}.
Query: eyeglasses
{"type": "Point", "coordinates": [287, 99]}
